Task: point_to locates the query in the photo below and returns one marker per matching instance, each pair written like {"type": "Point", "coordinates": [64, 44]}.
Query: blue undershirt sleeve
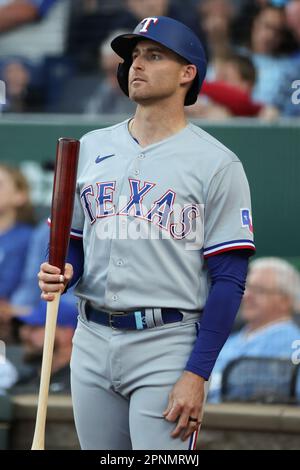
{"type": "Point", "coordinates": [75, 257]}
{"type": "Point", "coordinates": [228, 272]}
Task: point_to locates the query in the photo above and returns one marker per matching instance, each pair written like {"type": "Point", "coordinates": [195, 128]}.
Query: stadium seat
{"type": "Point", "coordinates": [261, 380]}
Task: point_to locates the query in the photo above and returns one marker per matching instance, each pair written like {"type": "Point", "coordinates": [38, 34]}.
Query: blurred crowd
{"type": "Point", "coordinates": [55, 55]}
{"type": "Point", "coordinates": [260, 362]}
{"type": "Point", "coordinates": [23, 247]}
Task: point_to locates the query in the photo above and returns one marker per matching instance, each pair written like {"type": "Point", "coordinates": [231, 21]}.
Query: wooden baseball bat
{"type": "Point", "coordinates": [67, 153]}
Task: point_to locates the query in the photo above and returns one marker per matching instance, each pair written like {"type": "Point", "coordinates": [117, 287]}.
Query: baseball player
{"type": "Point", "coordinates": [161, 237]}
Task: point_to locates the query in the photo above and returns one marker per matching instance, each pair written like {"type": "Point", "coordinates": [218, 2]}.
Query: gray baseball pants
{"type": "Point", "coordinates": [121, 380]}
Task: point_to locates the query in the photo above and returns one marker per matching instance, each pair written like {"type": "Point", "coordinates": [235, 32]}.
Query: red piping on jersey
{"type": "Point", "coordinates": [196, 438]}
{"type": "Point", "coordinates": [239, 247]}
{"type": "Point", "coordinates": [76, 237]}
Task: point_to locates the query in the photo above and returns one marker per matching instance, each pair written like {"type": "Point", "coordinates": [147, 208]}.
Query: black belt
{"type": "Point", "coordinates": [134, 320]}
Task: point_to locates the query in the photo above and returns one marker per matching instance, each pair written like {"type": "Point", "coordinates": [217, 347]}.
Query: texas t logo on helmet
{"type": "Point", "coordinates": [147, 22]}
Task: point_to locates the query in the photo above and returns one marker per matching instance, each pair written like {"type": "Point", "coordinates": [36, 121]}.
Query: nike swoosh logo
{"type": "Point", "coordinates": [100, 159]}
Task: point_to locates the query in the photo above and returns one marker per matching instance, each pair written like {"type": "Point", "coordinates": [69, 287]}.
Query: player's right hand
{"type": "Point", "coordinates": [52, 281]}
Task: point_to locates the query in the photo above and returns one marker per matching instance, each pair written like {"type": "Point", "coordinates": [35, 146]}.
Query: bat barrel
{"type": "Point", "coordinates": [63, 199]}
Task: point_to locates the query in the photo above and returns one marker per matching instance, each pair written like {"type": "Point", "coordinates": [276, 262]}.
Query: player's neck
{"type": "Point", "coordinates": [156, 123]}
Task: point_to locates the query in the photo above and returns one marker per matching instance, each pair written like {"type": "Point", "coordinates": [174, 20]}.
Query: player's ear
{"type": "Point", "coordinates": [189, 72]}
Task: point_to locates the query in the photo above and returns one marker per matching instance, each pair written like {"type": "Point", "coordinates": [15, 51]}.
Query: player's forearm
{"type": "Point", "coordinates": [229, 273]}
{"type": "Point", "coordinates": [16, 14]}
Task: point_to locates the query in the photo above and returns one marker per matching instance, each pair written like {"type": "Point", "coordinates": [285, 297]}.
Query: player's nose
{"type": "Point", "coordinates": [138, 63]}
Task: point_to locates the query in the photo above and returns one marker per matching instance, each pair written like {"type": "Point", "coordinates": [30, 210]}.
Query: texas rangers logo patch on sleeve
{"type": "Point", "coordinates": [246, 219]}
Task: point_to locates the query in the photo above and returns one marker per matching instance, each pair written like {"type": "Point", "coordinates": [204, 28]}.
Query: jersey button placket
{"type": "Point", "coordinates": [114, 279]}
{"type": "Point", "coordinates": [136, 171]}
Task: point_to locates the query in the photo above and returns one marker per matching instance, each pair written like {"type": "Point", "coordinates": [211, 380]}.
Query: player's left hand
{"type": "Point", "coordinates": [185, 401]}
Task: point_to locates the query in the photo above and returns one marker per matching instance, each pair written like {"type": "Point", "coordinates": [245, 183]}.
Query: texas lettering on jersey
{"type": "Point", "coordinates": [98, 203]}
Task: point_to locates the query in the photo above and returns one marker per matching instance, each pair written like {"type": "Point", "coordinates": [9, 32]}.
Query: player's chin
{"type": "Point", "coordinates": [145, 99]}
{"type": "Point", "coordinates": [139, 89]}
{"type": "Point", "coordinates": [137, 95]}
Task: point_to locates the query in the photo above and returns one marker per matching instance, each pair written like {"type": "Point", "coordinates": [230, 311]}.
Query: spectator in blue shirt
{"type": "Point", "coordinates": [288, 97]}
{"type": "Point", "coordinates": [267, 48]}
{"type": "Point", "coordinates": [16, 219]}
{"type": "Point", "coordinates": [19, 12]}
{"type": "Point", "coordinates": [270, 301]}
{"type": "Point", "coordinates": [33, 28]}
{"type": "Point", "coordinates": [27, 297]}
{"type": "Point", "coordinates": [26, 305]}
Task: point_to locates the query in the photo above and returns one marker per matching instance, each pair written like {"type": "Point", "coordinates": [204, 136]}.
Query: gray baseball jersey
{"type": "Point", "coordinates": [150, 216]}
